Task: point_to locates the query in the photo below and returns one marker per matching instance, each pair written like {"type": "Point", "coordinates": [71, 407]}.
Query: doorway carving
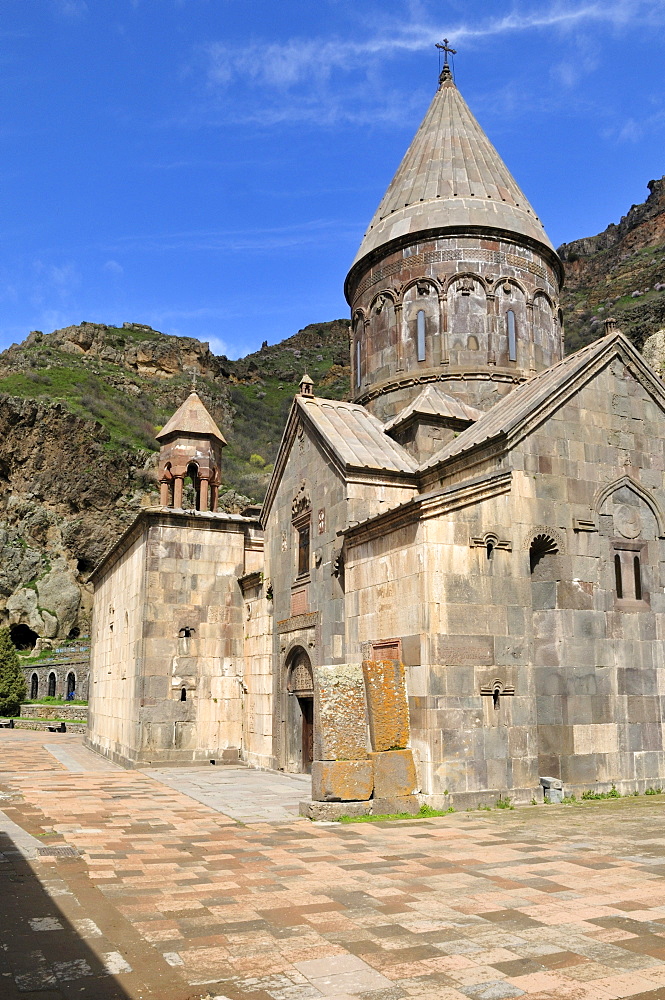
{"type": "Point", "coordinates": [299, 742]}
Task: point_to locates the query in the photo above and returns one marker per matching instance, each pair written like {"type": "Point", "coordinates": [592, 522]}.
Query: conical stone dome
{"type": "Point", "coordinates": [451, 178]}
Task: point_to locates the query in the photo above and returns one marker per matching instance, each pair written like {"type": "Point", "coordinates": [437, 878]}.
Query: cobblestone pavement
{"type": "Point", "coordinates": [169, 897]}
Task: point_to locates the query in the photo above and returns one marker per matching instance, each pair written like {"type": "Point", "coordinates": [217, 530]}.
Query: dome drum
{"type": "Point", "coordinates": [439, 310]}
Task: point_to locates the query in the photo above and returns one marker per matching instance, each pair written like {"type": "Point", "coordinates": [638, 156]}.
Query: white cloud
{"type": "Point", "coordinates": [113, 267]}
{"type": "Point", "coordinates": [634, 129]}
{"type": "Point", "coordinates": [272, 83]}
{"type": "Point", "coordinates": [218, 346]}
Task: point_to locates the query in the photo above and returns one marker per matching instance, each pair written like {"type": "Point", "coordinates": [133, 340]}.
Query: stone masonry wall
{"type": "Point", "coordinates": [516, 671]}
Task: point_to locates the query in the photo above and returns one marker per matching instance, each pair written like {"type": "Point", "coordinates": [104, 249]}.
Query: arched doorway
{"type": "Point", "coordinates": [299, 742]}
{"type": "Point", "coordinates": [51, 685]}
{"type": "Point", "coordinates": [71, 686]}
{"type": "Point", "coordinates": [34, 686]}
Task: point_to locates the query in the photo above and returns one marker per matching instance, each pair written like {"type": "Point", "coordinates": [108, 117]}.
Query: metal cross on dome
{"type": "Point", "coordinates": [445, 48]}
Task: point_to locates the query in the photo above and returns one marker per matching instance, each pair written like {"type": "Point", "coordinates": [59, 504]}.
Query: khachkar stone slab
{"type": "Point", "coordinates": [342, 780]}
{"type": "Point", "coordinates": [394, 773]}
{"type": "Point", "coordinates": [387, 703]}
{"type": "Point", "coordinates": [340, 719]}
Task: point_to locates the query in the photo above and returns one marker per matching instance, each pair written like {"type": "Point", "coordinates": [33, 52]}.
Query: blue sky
{"type": "Point", "coordinates": [209, 166]}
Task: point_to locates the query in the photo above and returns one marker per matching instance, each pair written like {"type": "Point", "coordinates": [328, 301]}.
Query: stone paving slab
{"type": "Point", "coordinates": [246, 795]}
{"type": "Point", "coordinates": [546, 903]}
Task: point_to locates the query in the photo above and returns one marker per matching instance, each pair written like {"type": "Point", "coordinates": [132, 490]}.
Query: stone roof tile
{"type": "Point", "coordinates": [191, 418]}
{"type": "Point", "coordinates": [356, 436]}
{"type": "Point", "coordinates": [436, 403]}
{"type": "Point", "coordinates": [451, 176]}
{"type": "Point", "coordinates": [506, 415]}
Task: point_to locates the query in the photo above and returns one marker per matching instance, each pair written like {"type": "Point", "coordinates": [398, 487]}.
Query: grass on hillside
{"type": "Point", "coordinates": [129, 419]}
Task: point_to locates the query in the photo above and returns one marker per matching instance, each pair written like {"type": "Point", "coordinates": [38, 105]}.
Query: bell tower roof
{"type": "Point", "coordinates": [191, 418]}
{"type": "Point", "coordinates": [450, 179]}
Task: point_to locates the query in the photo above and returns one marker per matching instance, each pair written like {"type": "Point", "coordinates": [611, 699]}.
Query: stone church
{"type": "Point", "coordinates": [455, 584]}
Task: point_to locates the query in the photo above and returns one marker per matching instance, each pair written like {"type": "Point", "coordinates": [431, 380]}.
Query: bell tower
{"type": "Point", "coordinates": [190, 453]}
{"type": "Point", "coordinates": [456, 282]}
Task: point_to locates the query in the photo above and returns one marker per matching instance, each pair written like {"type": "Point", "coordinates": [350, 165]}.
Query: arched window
{"type": "Point", "coordinates": [191, 489]}
{"type": "Point", "coordinates": [541, 546]}
{"type": "Point", "coordinates": [511, 331]}
{"type": "Point", "coordinates": [358, 360]}
{"type": "Point", "coordinates": [183, 694]}
{"type": "Point", "coordinates": [51, 685]}
{"type": "Point", "coordinates": [618, 579]}
{"type": "Point", "coordinates": [420, 335]}
{"type": "Point", "coordinates": [637, 571]}
{"type": "Point", "coordinates": [34, 686]}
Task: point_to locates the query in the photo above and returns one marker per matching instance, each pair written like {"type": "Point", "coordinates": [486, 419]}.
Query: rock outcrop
{"type": "Point", "coordinates": [79, 409]}
{"type": "Point", "coordinates": [621, 273]}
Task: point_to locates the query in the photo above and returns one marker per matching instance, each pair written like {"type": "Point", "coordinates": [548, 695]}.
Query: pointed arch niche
{"type": "Point", "coordinates": [512, 343]}
{"type": "Point", "coordinates": [421, 319]}
{"type": "Point", "coordinates": [546, 339]}
{"type": "Point", "coordinates": [467, 320]}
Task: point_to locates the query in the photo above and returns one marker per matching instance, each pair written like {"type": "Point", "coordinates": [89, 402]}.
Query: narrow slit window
{"type": "Point", "coordinates": [420, 334]}
{"type": "Point", "coordinates": [637, 570]}
{"type": "Point", "coordinates": [489, 548]}
{"type": "Point", "coordinates": [512, 335]}
{"type": "Point", "coordinates": [303, 550]}
{"type": "Point", "coordinates": [358, 372]}
{"type": "Point", "coordinates": [183, 694]}
{"type": "Point", "coordinates": [617, 576]}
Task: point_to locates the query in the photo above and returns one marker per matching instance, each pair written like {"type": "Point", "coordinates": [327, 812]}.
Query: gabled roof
{"type": "Point", "coordinates": [350, 435]}
{"type": "Point", "coordinates": [357, 437]}
{"type": "Point", "coordinates": [433, 402]}
{"type": "Point", "coordinates": [451, 177]}
{"type": "Point", "coordinates": [544, 392]}
{"type": "Point", "coordinates": [191, 418]}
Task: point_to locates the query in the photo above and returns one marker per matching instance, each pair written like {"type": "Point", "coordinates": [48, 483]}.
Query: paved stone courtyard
{"type": "Point", "coordinates": [204, 883]}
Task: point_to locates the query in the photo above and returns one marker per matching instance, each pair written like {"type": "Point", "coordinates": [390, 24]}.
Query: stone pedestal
{"type": "Point", "coordinates": [394, 773]}
{"type": "Point", "coordinates": [342, 780]}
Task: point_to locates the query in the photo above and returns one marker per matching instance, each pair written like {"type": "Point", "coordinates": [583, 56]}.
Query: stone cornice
{"type": "Point", "coordinates": [443, 373]}
{"type": "Point", "coordinates": [428, 505]}
{"type": "Point", "coordinates": [427, 235]}
{"type": "Point", "coordinates": [156, 516]}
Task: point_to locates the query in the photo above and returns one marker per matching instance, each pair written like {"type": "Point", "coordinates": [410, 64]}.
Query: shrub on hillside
{"type": "Point", "coordinates": [12, 682]}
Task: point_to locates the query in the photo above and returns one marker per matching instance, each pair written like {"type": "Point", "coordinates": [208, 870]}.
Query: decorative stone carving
{"type": "Point", "coordinates": [300, 679]}
{"type": "Point", "coordinates": [301, 501]}
{"type": "Point", "coordinates": [627, 521]}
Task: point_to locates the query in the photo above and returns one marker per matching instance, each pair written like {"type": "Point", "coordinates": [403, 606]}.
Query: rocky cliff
{"type": "Point", "coordinates": [621, 273]}
{"type": "Point", "coordinates": [79, 409]}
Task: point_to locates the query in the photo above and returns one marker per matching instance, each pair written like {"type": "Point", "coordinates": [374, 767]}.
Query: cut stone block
{"type": "Point", "coordinates": [385, 686]}
{"type": "Point", "coordinates": [342, 780]}
{"type": "Point", "coordinates": [395, 804]}
{"type": "Point", "coordinates": [331, 811]}
{"type": "Point", "coordinates": [340, 718]}
{"type": "Point", "coordinates": [394, 773]}
{"type": "Point", "coordinates": [552, 789]}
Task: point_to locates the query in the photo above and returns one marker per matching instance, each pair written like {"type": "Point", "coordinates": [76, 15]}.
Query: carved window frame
{"type": "Point", "coordinates": [627, 564]}
{"type": "Point", "coordinates": [390, 644]}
